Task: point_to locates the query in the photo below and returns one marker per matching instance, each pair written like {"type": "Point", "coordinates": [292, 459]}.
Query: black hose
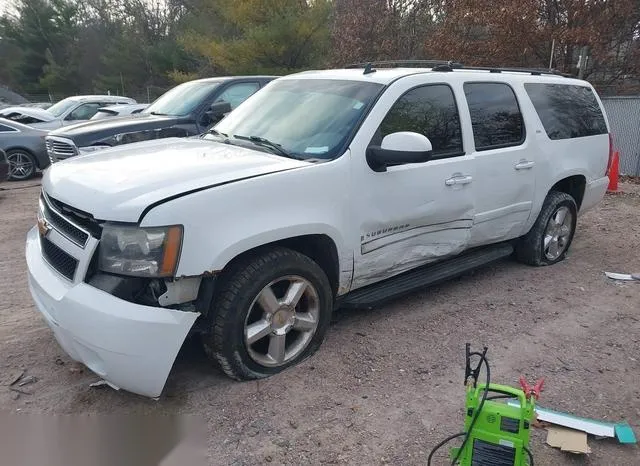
{"type": "Point", "coordinates": [498, 397]}
{"type": "Point", "coordinates": [441, 444]}
{"type": "Point", "coordinates": [530, 456]}
{"type": "Point", "coordinates": [477, 414]}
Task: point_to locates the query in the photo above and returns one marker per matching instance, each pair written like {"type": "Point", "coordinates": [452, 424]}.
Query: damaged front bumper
{"type": "Point", "coordinates": [130, 346]}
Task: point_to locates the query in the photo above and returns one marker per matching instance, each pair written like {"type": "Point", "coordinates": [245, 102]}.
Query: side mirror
{"type": "Point", "coordinates": [399, 149]}
{"type": "Point", "coordinates": [218, 110]}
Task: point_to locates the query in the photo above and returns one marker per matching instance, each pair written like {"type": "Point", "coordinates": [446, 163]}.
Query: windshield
{"type": "Point", "coordinates": [308, 118]}
{"type": "Point", "coordinates": [59, 109]}
{"type": "Point", "coordinates": [182, 99]}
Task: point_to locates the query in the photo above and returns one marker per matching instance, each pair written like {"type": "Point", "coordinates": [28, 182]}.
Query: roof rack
{"type": "Point", "coordinates": [447, 65]}
{"type": "Point", "coordinates": [499, 69]}
{"type": "Point", "coordinates": [405, 64]}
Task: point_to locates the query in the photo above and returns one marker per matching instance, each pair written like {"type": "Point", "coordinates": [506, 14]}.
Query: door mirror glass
{"type": "Point", "coordinates": [398, 149]}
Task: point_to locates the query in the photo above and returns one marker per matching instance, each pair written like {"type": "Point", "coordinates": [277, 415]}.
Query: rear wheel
{"type": "Point", "coordinates": [22, 165]}
{"type": "Point", "coordinates": [551, 235]}
{"type": "Point", "coordinates": [271, 312]}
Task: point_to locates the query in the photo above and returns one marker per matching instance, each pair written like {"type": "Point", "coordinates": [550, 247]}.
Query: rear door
{"type": "Point", "coordinates": [505, 163]}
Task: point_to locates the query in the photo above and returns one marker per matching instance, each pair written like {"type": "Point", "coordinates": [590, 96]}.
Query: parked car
{"type": "Point", "coordinates": [4, 167]}
{"type": "Point", "coordinates": [25, 149]}
{"type": "Point", "coordinates": [337, 188]}
{"type": "Point", "coordinates": [42, 105]}
{"type": "Point", "coordinates": [118, 110]}
{"type": "Point", "coordinates": [67, 111]}
{"type": "Point", "coordinates": [186, 110]}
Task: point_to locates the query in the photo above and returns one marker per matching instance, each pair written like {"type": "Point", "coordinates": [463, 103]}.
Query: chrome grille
{"type": "Point", "coordinates": [76, 217]}
{"type": "Point", "coordinates": [59, 149]}
{"type": "Point", "coordinates": [58, 259]}
{"type": "Point", "coordinates": [63, 225]}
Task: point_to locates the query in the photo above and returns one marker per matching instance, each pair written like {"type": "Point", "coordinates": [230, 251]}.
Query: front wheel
{"type": "Point", "coordinates": [551, 235]}
{"type": "Point", "coordinates": [270, 312]}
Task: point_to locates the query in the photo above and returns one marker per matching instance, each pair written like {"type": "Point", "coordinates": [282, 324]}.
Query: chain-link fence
{"type": "Point", "coordinates": [624, 118]}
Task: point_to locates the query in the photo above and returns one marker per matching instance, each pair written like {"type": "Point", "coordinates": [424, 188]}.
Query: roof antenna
{"type": "Point", "coordinates": [368, 69]}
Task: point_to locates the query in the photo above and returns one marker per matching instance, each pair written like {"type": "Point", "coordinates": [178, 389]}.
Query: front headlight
{"type": "Point", "coordinates": [91, 149]}
{"type": "Point", "coordinates": [140, 252]}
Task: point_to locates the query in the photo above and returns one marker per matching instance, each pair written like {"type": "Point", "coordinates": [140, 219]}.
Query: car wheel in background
{"type": "Point", "coordinates": [22, 165]}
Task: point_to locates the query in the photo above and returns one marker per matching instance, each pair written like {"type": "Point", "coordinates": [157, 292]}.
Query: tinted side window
{"type": "Point", "coordinates": [6, 129]}
{"type": "Point", "coordinates": [428, 110]}
{"type": "Point", "coordinates": [567, 111]}
{"type": "Point", "coordinates": [238, 93]}
{"type": "Point", "coordinates": [495, 115]}
{"type": "Point", "coordinates": [84, 111]}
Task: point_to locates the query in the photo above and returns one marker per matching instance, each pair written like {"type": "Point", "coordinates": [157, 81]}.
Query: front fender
{"type": "Point", "coordinates": [223, 222]}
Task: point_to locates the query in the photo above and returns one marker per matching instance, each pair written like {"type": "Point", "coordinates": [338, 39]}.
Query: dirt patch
{"type": "Point", "coordinates": [386, 386]}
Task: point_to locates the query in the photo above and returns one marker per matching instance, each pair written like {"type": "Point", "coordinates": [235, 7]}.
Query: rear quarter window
{"type": "Point", "coordinates": [7, 129]}
{"type": "Point", "coordinates": [567, 111]}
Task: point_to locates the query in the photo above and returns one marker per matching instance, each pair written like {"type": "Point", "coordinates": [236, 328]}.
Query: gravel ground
{"type": "Point", "coordinates": [386, 385]}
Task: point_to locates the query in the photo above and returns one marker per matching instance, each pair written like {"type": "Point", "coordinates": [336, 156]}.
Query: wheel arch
{"type": "Point", "coordinates": [573, 185]}
{"type": "Point", "coordinates": [319, 247]}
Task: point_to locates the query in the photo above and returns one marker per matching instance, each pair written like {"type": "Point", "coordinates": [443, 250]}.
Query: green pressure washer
{"type": "Point", "coordinates": [495, 433]}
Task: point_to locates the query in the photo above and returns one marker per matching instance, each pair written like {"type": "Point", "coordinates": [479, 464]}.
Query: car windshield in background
{"type": "Point", "coordinates": [182, 99]}
{"type": "Point", "coordinates": [57, 110]}
{"type": "Point", "coordinates": [307, 118]}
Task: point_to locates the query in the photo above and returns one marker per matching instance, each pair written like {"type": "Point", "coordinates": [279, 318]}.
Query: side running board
{"type": "Point", "coordinates": [394, 287]}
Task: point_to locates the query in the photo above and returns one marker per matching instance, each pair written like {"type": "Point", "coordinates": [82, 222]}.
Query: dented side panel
{"type": "Point", "coordinates": [407, 216]}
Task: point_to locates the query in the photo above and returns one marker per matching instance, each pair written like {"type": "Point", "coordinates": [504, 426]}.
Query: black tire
{"type": "Point", "coordinates": [27, 163]}
{"type": "Point", "coordinates": [530, 248]}
{"type": "Point", "coordinates": [239, 288]}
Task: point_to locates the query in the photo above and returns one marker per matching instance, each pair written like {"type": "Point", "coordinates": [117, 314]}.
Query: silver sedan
{"type": "Point", "coordinates": [25, 149]}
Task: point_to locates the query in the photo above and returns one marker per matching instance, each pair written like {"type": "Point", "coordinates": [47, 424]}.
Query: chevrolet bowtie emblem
{"type": "Point", "coordinates": [43, 226]}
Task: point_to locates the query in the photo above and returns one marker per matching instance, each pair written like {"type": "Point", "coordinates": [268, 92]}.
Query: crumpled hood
{"type": "Point", "coordinates": [29, 111]}
{"type": "Point", "coordinates": [118, 184]}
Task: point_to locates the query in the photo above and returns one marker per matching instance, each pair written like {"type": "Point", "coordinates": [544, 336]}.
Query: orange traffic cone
{"type": "Point", "coordinates": [614, 173]}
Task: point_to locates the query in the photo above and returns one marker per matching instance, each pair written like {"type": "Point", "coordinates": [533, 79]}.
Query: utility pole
{"type": "Point", "coordinates": [553, 47]}
{"type": "Point", "coordinates": [582, 63]}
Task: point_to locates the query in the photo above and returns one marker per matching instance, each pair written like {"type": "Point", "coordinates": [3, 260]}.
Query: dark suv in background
{"type": "Point", "coordinates": [186, 110]}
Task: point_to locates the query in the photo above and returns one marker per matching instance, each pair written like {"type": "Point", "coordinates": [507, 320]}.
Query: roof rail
{"type": "Point", "coordinates": [500, 69]}
{"type": "Point", "coordinates": [406, 64]}
{"type": "Point", "coordinates": [446, 65]}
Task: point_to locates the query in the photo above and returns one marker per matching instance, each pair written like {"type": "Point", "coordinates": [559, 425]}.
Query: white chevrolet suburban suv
{"type": "Point", "coordinates": [326, 189]}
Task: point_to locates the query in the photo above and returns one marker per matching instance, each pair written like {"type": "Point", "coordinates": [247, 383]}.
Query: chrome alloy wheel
{"type": "Point", "coordinates": [282, 321]}
{"type": "Point", "coordinates": [558, 233]}
{"type": "Point", "coordinates": [21, 166]}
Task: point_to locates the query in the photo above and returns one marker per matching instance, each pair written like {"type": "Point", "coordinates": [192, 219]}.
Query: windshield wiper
{"type": "Point", "coordinates": [260, 141]}
{"type": "Point", "coordinates": [215, 132]}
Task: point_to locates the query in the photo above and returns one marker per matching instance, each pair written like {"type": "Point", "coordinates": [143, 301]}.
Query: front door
{"type": "Point", "coordinates": [411, 214]}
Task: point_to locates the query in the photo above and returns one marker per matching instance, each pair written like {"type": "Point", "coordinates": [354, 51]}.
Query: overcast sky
{"type": "Point", "coordinates": [4, 5]}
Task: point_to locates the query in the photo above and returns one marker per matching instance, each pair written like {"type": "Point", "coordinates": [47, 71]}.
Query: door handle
{"type": "Point", "coordinates": [524, 165]}
{"type": "Point", "coordinates": [459, 179]}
